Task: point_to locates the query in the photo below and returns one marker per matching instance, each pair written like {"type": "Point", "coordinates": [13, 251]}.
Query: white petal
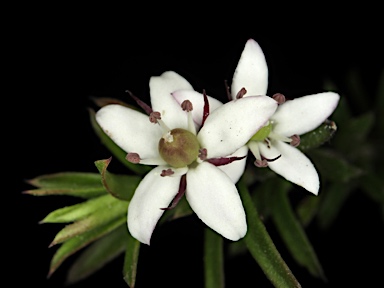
{"type": "Point", "coordinates": [130, 130]}
{"type": "Point", "coordinates": [293, 165]}
{"type": "Point", "coordinates": [162, 101]}
{"type": "Point", "coordinates": [236, 169]}
{"type": "Point", "coordinates": [154, 192]}
{"type": "Point", "coordinates": [215, 200]}
{"type": "Point", "coordinates": [251, 71]}
{"type": "Point", "coordinates": [197, 100]}
{"type": "Point", "coordinates": [230, 126]}
{"type": "Point", "coordinates": [303, 114]}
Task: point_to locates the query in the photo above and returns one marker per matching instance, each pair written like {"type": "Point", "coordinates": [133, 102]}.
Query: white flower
{"type": "Point", "coordinates": [293, 118]}
{"type": "Point", "coordinates": [186, 154]}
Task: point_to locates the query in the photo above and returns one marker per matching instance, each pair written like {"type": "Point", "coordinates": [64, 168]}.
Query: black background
{"type": "Point", "coordinates": [58, 62]}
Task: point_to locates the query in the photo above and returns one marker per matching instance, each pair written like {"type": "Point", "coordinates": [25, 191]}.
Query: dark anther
{"type": "Point", "coordinates": [279, 98]}
{"type": "Point", "coordinates": [167, 172]}
{"type": "Point", "coordinates": [133, 158]}
{"type": "Point", "coordinates": [154, 116]}
{"type": "Point", "coordinates": [261, 163]}
{"type": "Point", "coordinates": [295, 140]}
{"type": "Point", "coordinates": [241, 93]}
{"type": "Point", "coordinates": [203, 154]}
{"type": "Point", "coordinates": [187, 106]}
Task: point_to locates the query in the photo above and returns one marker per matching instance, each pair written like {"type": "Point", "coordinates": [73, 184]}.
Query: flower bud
{"type": "Point", "coordinates": [179, 147]}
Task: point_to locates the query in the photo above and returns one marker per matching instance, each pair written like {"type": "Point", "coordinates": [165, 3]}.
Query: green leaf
{"type": "Point", "coordinates": [78, 211]}
{"type": "Point", "coordinates": [373, 185]}
{"type": "Point", "coordinates": [75, 244]}
{"type": "Point", "coordinates": [116, 150]}
{"type": "Point", "coordinates": [120, 186]}
{"type": "Point", "coordinates": [318, 136]}
{"type": "Point", "coordinates": [213, 259]}
{"type": "Point", "coordinates": [130, 261]}
{"type": "Point", "coordinates": [333, 166]}
{"type": "Point", "coordinates": [354, 131]}
{"type": "Point", "coordinates": [111, 211]}
{"type": "Point", "coordinates": [307, 209]}
{"type": "Point", "coordinates": [79, 184]}
{"type": "Point", "coordinates": [98, 254]}
{"type": "Point", "coordinates": [262, 248]}
{"type": "Point", "coordinates": [332, 199]}
{"type": "Point", "coordinates": [292, 232]}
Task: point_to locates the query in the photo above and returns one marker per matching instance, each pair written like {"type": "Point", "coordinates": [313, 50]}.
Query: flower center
{"type": "Point", "coordinates": [263, 133]}
{"type": "Point", "coordinates": [179, 147]}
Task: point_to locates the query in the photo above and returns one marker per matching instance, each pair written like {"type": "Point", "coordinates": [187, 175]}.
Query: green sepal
{"type": "Point", "coordinates": [131, 259]}
{"type": "Point", "coordinates": [213, 259]}
{"type": "Point", "coordinates": [109, 212]}
{"type": "Point", "coordinates": [262, 248]}
{"type": "Point", "coordinates": [291, 231]}
{"type": "Point", "coordinates": [119, 186]}
{"type": "Point", "coordinates": [79, 211]}
{"type": "Point", "coordinates": [73, 245]}
{"type": "Point", "coordinates": [119, 153]}
{"type": "Point", "coordinates": [318, 136]}
{"type": "Point", "coordinates": [79, 184]}
{"type": "Point", "coordinates": [98, 254]}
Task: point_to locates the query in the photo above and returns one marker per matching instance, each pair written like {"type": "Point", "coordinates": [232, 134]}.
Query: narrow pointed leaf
{"type": "Point", "coordinates": [332, 201]}
{"type": "Point", "coordinates": [79, 184]}
{"type": "Point", "coordinates": [213, 259]}
{"type": "Point", "coordinates": [132, 249]}
{"type": "Point", "coordinates": [333, 166]}
{"type": "Point", "coordinates": [292, 232]}
{"type": "Point", "coordinates": [78, 211]}
{"type": "Point", "coordinates": [75, 244]}
{"type": "Point", "coordinates": [262, 248]}
{"type": "Point", "coordinates": [120, 186]}
{"type": "Point", "coordinates": [318, 136]}
{"type": "Point", "coordinates": [106, 214]}
{"type": "Point", "coordinates": [307, 209]}
{"type": "Point", "coordinates": [116, 150]}
{"type": "Point", "coordinates": [98, 254]}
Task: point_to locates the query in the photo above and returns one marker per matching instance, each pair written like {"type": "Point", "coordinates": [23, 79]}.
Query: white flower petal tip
{"type": "Point", "coordinates": [231, 126]}
{"type": "Point", "coordinates": [251, 72]}
{"type": "Point", "coordinates": [293, 165]}
{"type": "Point", "coordinates": [153, 193]}
{"type": "Point", "coordinates": [161, 87]}
{"type": "Point", "coordinates": [137, 134]}
{"type": "Point", "coordinates": [303, 114]}
{"type": "Point", "coordinates": [216, 201]}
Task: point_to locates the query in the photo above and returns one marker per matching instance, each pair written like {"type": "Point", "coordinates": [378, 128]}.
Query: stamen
{"type": "Point", "coordinates": [279, 98]}
{"type": "Point", "coordinates": [187, 106]}
{"type": "Point", "coordinates": [203, 154]}
{"type": "Point", "coordinates": [241, 93]}
{"type": "Point", "coordinates": [167, 172]}
{"type": "Point", "coordinates": [295, 140]}
{"type": "Point", "coordinates": [206, 108]}
{"type": "Point", "coordinates": [143, 105]}
{"type": "Point", "coordinates": [133, 158]}
{"type": "Point", "coordinates": [168, 137]}
{"type": "Point", "coordinates": [180, 193]}
{"type": "Point", "coordinates": [261, 163]}
{"type": "Point", "coordinates": [224, 160]}
{"type": "Point", "coordinates": [154, 117]}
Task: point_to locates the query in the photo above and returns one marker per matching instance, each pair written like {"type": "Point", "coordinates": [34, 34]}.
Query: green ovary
{"type": "Point", "coordinates": [181, 150]}
{"type": "Point", "coordinates": [262, 133]}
